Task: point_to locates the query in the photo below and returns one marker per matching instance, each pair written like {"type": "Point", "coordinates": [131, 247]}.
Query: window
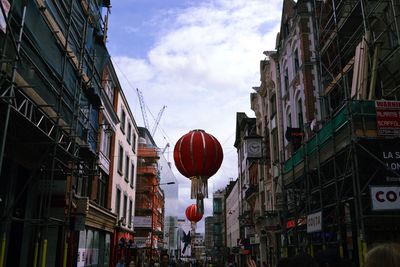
{"type": "Point", "coordinates": [217, 205]}
{"type": "Point", "coordinates": [134, 142]}
{"type": "Point", "coordinates": [273, 105]}
{"type": "Point", "coordinates": [296, 61]}
{"type": "Point", "coordinates": [120, 159]}
{"type": "Point", "coordinates": [300, 114]}
{"type": "Point", "coordinates": [83, 183]}
{"type": "Point", "coordinates": [109, 88]}
{"type": "Point", "coordinates": [106, 144]}
{"type": "Point", "coordinates": [102, 189]}
{"type": "Point", "coordinates": [118, 203]}
{"type": "Point", "coordinates": [124, 207]}
{"type": "Point", "coordinates": [128, 134]}
{"type": "Point", "coordinates": [123, 116]}
{"type": "Point", "coordinates": [275, 145]}
{"type": "Point", "coordinates": [130, 213]}
{"type": "Point", "coordinates": [126, 174]}
{"type": "Point", "coordinates": [286, 81]}
{"type": "Point", "coordinates": [132, 174]}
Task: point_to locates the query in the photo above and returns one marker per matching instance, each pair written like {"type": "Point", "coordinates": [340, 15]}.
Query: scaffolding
{"type": "Point", "coordinates": [52, 56]}
{"type": "Point", "coordinates": [337, 168]}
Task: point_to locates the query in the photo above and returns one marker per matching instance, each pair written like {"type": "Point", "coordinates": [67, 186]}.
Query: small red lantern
{"type": "Point", "coordinates": [192, 214]}
{"type": "Point", "coordinates": [198, 156]}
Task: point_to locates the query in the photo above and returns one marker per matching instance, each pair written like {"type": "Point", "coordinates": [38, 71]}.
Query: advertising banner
{"type": "Point", "coordinates": [385, 197]}
{"type": "Point", "coordinates": [388, 117]}
{"type": "Point", "coordinates": [142, 221]}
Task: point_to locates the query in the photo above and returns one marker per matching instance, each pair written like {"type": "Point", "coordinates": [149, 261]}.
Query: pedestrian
{"type": "Point", "coordinates": [132, 264]}
{"type": "Point", "coordinates": [121, 262]}
{"type": "Point", "coordinates": [385, 254]}
{"type": "Point", "coordinates": [164, 260]}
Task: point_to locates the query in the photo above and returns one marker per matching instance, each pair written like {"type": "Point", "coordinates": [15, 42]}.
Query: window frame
{"type": "Point", "coordinates": [120, 165]}
{"type": "Point", "coordinates": [127, 163]}
{"type": "Point", "coordinates": [124, 207]}
{"type": "Point", "coordinates": [129, 132]}
{"type": "Point", "coordinates": [118, 202]}
{"type": "Point", "coordinates": [132, 174]}
{"type": "Point", "coordinates": [123, 120]}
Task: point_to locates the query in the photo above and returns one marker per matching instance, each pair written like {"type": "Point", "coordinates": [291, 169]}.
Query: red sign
{"type": "Point", "coordinates": [388, 117]}
{"type": "Point", "coordinates": [292, 223]}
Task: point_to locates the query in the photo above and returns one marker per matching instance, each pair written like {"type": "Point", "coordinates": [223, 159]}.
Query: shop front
{"type": "Point", "coordinates": [95, 239]}
{"type": "Point", "coordinates": [123, 245]}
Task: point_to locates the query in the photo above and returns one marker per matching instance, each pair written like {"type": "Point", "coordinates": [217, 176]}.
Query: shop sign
{"type": "Point", "coordinates": [388, 117]}
{"type": "Point", "coordinates": [142, 221]}
{"type": "Point", "coordinates": [295, 136]}
{"type": "Point", "coordinates": [141, 242]}
{"type": "Point", "coordinates": [385, 197]}
{"type": "Point", "coordinates": [292, 223]}
{"type": "Point", "coordinates": [314, 222]}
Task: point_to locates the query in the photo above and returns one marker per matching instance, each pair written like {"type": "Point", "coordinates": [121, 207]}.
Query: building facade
{"type": "Point", "coordinates": [149, 209]}
{"type": "Point", "coordinates": [249, 197]}
{"type": "Point", "coordinates": [232, 230]}
{"type": "Point", "coordinates": [51, 101]}
{"type": "Point", "coordinates": [124, 173]}
{"type": "Point", "coordinates": [336, 171]}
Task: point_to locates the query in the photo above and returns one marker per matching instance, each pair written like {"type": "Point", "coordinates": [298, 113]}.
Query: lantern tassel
{"type": "Point", "coordinates": [199, 187]}
{"type": "Point", "coordinates": [199, 191]}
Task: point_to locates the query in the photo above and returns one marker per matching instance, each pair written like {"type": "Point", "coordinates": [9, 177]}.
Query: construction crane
{"type": "Point", "coordinates": [157, 120]}
{"type": "Point", "coordinates": [144, 114]}
{"type": "Point", "coordinates": [143, 108]}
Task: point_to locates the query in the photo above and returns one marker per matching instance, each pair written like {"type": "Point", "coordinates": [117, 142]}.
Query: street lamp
{"type": "Point", "coordinates": [154, 186]}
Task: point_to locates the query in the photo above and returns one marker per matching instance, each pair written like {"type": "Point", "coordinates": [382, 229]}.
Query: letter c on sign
{"type": "Point", "coordinates": [378, 196]}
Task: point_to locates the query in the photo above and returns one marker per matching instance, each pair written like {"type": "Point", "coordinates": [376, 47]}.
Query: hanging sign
{"type": "Point", "coordinates": [314, 222]}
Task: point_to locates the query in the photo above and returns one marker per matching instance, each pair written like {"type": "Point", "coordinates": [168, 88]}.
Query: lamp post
{"type": "Point", "coordinates": [154, 186]}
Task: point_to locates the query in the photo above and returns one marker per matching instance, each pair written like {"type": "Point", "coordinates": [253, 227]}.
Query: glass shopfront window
{"type": "Point", "coordinates": [93, 249]}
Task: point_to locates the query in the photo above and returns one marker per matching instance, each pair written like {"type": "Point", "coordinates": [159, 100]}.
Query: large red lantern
{"type": "Point", "coordinates": [198, 156]}
{"type": "Point", "coordinates": [192, 214]}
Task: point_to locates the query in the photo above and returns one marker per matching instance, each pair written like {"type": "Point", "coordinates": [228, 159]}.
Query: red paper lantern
{"type": "Point", "coordinates": [198, 156]}
{"type": "Point", "coordinates": [192, 214]}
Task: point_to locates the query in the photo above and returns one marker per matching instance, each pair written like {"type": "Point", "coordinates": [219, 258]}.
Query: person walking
{"type": "Point", "coordinates": [164, 260]}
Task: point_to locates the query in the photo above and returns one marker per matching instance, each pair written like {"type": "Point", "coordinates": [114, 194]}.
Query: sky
{"type": "Point", "coordinates": [200, 59]}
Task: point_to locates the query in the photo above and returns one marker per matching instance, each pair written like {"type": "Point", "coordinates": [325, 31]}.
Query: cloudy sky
{"type": "Point", "coordinates": [200, 58]}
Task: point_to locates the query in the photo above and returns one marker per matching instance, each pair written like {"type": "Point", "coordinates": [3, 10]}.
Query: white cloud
{"type": "Point", "coordinates": [202, 67]}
